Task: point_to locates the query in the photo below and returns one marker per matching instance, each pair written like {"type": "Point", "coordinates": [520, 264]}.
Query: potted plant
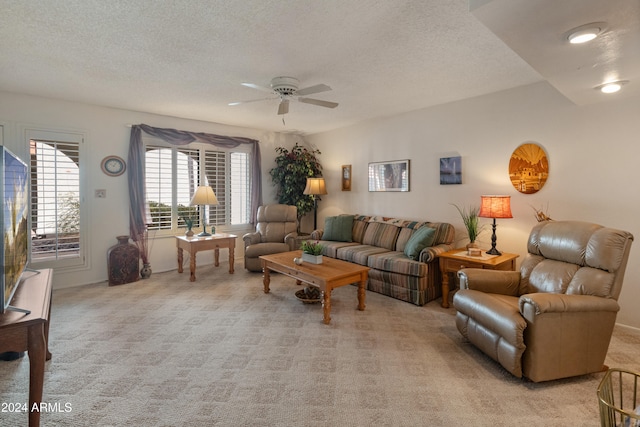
{"type": "Point", "coordinates": [311, 252]}
{"type": "Point", "coordinates": [470, 219]}
{"type": "Point", "coordinates": [290, 177]}
{"type": "Point", "coordinates": [188, 221]}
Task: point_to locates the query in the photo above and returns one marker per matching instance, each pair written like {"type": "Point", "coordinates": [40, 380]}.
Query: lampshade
{"type": "Point", "coordinates": [204, 195]}
{"type": "Point", "coordinates": [315, 186]}
{"type": "Point", "coordinates": [495, 207]}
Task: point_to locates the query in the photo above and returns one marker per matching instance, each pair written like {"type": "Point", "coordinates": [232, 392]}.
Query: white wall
{"type": "Point", "coordinates": [107, 133]}
{"type": "Point", "coordinates": [593, 154]}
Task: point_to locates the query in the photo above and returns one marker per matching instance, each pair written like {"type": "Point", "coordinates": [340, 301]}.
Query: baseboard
{"type": "Point", "coordinates": [629, 328]}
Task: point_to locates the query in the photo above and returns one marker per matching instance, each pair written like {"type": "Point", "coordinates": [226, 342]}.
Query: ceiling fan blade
{"type": "Point", "coordinates": [254, 86]}
{"type": "Point", "coordinates": [313, 89]}
{"type": "Point", "coordinates": [283, 108]}
{"type": "Point", "coordinates": [319, 102]}
{"type": "Point", "coordinates": [250, 100]}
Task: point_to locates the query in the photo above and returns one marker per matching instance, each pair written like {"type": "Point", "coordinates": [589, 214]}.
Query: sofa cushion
{"type": "Point", "coordinates": [358, 254]}
{"type": "Point", "coordinates": [360, 223]}
{"type": "Point", "coordinates": [420, 239]}
{"type": "Point", "coordinates": [406, 231]}
{"type": "Point", "coordinates": [338, 228]}
{"type": "Point", "coordinates": [330, 248]}
{"type": "Point", "coordinates": [397, 262]}
{"type": "Point", "coordinates": [382, 235]}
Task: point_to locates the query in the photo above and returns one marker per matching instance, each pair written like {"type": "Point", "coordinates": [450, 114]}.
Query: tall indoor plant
{"type": "Point", "coordinates": [290, 176]}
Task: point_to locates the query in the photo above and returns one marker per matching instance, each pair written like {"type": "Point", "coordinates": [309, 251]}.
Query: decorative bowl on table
{"type": "Point", "coordinates": [309, 295]}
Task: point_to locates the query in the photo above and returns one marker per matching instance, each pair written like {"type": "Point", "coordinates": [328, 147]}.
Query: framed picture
{"type": "Point", "coordinates": [450, 170]}
{"type": "Point", "coordinates": [389, 176]}
{"type": "Point", "coordinates": [346, 177]}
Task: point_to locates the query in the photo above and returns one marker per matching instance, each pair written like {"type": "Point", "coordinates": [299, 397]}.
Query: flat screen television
{"type": "Point", "coordinates": [14, 187]}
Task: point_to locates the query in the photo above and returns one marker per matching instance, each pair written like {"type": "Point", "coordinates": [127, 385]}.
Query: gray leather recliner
{"type": "Point", "coordinates": [276, 231]}
{"type": "Point", "coordinates": [553, 318]}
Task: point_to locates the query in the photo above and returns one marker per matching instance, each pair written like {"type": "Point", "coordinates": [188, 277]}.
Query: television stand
{"type": "Point", "coordinates": [30, 332]}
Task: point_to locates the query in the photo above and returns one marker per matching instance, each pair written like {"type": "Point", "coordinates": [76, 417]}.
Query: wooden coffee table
{"type": "Point", "coordinates": [332, 273]}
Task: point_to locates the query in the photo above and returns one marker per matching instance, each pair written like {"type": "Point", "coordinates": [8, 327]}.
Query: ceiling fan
{"type": "Point", "coordinates": [286, 89]}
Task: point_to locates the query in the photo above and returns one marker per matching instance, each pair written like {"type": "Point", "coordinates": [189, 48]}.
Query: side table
{"type": "Point", "coordinates": [195, 244]}
{"type": "Point", "coordinates": [457, 259]}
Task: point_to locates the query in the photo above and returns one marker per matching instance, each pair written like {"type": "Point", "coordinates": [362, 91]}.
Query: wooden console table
{"type": "Point", "coordinates": [455, 260]}
{"type": "Point", "coordinates": [30, 332]}
{"type": "Point", "coordinates": [195, 244]}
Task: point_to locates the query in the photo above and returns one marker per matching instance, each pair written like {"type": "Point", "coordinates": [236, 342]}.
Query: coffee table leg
{"type": "Point", "coordinates": [180, 259]}
{"type": "Point", "coordinates": [326, 306]}
{"type": "Point", "coordinates": [231, 258]}
{"type": "Point", "coordinates": [265, 278]}
{"type": "Point", "coordinates": [361, 293]}
{"type": "Point", "coordinates": [217, 257]}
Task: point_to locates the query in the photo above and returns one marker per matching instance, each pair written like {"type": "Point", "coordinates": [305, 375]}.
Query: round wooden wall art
{"type": "Point", "coordinates": [528, 168]}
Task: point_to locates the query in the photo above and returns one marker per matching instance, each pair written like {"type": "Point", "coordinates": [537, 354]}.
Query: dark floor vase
{"type": "Point", "coordinates": [123, 262]}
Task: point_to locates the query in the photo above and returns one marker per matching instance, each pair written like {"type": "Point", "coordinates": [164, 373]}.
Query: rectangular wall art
{"type": "Point", "coordinates": [450, 170]}
{"type": "Point", "coordinates": [389, 176]}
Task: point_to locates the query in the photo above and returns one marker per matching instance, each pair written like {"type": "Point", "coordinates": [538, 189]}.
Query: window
{"type": "Point", "coordinates": [57, 218]}
{"type": "Point", "coordinates": [172, 175]}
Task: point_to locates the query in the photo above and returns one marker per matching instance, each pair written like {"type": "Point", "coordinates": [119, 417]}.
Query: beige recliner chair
{"type": "Point", "coordinates": [553, 318]}
{"type": "Point", "coordinates": [276, 231]}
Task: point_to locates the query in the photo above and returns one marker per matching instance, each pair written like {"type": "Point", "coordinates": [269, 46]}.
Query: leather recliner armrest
{"type": "Point", "coordinates": [490, 281]}
{"type": "Point", "coordinates": [251, 238]}
{"type": "Point", "coordinates": [540, 303]}
{"type": "Point", "coordinates": [290, 239]}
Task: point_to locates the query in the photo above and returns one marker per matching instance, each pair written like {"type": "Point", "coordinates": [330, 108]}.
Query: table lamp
{"type": "Point", "coordinates": [315, 187]}
{"type": "Point", "coordinates": [204, 196]}
{"type": "Point", "coordinates": [495, 207]}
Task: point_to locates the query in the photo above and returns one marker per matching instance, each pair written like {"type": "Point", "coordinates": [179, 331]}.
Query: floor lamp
{"type": "Point", "coordinates": [495, 207]}
{"type": "Point", "coordinates": [315, 187]}
{"type": "Point", "coordinates": [203, 196]}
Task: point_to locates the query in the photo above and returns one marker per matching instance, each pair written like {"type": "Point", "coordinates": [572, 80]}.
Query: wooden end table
{"type": "Point", "coordinates": [332, 273]}
{"type": "Point", "coordinates": [457, 259]}
{"type": "Point", "coordinates": [196, 243]}
{"type": "Point", "coordinates": [30, 332]}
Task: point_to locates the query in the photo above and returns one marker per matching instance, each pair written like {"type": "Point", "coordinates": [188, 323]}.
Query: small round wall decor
{"type": "Point", "coordinates": [528, 168]}
{"type": "Point", "coordinates": [113, 165]}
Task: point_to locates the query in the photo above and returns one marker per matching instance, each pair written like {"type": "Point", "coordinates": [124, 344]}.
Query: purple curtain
{"type": "Point", "coordinates": [139, 216]}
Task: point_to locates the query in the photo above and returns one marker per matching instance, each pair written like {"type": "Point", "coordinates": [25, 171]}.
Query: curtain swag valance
{"type": "Point", "coordinates": [138, 209]}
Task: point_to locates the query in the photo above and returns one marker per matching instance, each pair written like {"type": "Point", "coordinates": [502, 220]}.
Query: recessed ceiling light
{"type": "Point", "coordinates": [611, 87]}
{"type": "Point", "coordinates": [585, 33]}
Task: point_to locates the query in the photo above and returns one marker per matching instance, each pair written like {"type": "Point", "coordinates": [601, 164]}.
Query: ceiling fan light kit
{"type": "Point", "coordinates": [286, 89]}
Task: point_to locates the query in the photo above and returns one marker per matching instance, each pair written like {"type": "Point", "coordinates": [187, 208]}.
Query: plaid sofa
{"type": "Point", "coordinates": [379, 243]}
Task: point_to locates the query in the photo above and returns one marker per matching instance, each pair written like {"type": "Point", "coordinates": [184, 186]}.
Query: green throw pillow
{"type": "Point", "coordinates": [338, 228]}
{"type": "Point", "coordinates": [421, 238]}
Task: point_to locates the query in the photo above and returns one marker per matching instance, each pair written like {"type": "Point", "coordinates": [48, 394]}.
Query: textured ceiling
{"type": "Point", "coordinates": [188, 59]}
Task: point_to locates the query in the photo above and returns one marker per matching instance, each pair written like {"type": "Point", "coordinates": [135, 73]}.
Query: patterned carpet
{"type": "Point", "coordinates": [220, 352]}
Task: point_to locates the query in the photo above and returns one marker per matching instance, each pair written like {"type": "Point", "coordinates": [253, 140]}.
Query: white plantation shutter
{"type": "Point", "coordinates": [57, 206]}
{"type": "Point", "coordinates": [174, 173]}
{"type": "Point", "coordinates": [240, 188]}
{"type": "Point", "coordinates": [158, 167]}
{"type": "Point", "coordinates": [215, 171]}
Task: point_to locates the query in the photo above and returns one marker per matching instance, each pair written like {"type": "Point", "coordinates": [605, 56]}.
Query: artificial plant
{"type": "Point", "coordinates": [290, 177]}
